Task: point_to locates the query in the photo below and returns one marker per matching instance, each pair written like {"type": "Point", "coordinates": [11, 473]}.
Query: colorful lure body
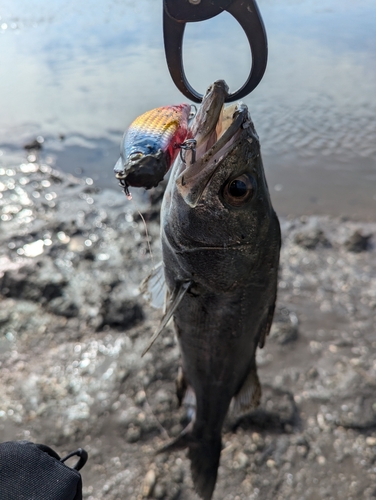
{"type": "Point", "coordinates": [151, 144]}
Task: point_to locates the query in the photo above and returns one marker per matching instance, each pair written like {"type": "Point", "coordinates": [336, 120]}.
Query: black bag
{"type": "Point", "coordinates": [31, 471]}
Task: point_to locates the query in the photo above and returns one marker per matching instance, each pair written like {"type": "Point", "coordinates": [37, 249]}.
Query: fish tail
{"type": "Point", "coordinates": [204, 454]}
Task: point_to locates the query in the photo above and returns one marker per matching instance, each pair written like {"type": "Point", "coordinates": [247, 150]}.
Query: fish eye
{"type": "Point", "coordinates": [239, 190]}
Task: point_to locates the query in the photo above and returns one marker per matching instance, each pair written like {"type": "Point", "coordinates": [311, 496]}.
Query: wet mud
{"type": "Point", "coordinates": [73, 326]}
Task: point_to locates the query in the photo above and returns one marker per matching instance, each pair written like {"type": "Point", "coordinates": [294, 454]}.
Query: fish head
{"type": "Point", "coordinates": [217, 217]}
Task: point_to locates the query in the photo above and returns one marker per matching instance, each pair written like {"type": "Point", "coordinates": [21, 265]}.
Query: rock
{"type": "Point", "coordinates": [159, 491]}
{"type": "Point", "coordinates": [133, 434]}
{"type": "Point", "coordinates": [129, 417]}
{"type": "Point", "coordinates": [177, 473]}
{"type": "Point", "coordinates": [371, 441]}
{"type": "Point", "coordinates": [120, 310]}
{"type": "Point", "coordinates": [140, 398]}
{"type": "Point", "coordinates": [35, 145]}
{"type": "Point", "coordinates": [241, 460]}
{"type": "Point", "coordinates": [358, 242]}
{"type": "Point", "coordinates": [42, 282]}
{"type": "Point", "coordinates": [4, 317]}
{"type": "Point", "coordinates": [283, 332]}
{"type": "Point", "coordinates": [312, 373]}
{"type": "Point", "coordinates": [311, 238]}
{"type": "Point", "coordinates": [285, 327]}
{"type": "Point", "coordinates": [63, 306]}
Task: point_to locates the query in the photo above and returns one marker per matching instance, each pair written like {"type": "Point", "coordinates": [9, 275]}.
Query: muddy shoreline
{"type": "Point", "coordinates": [72, 329]}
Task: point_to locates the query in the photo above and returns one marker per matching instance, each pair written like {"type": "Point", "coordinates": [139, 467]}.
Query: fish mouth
{"type": "Point", "coordinates": [215, 129]}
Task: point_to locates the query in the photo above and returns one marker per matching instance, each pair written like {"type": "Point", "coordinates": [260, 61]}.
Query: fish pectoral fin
{"type": "Point", "coordinates": [186, 395]}
{"type": "Point", "coordinates": [175, 300]}
{"type": "Point", "coordinates": [181, 385]}
{"type": "Point", "coordinates": [190, 403]}
{"type": "Point", "coordinates": [153, 288]}
{"type": "Point", "coordinates": [249, 395]}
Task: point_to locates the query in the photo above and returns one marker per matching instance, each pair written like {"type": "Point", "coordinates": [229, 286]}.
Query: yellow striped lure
{"type": "Point", "coordinates": [151, 144]}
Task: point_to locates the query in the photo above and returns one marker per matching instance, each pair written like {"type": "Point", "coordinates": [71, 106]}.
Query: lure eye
{"type": "Point", "coordinates": [135, 156]}
{"type": "Point", "coordinates": [239, 190]}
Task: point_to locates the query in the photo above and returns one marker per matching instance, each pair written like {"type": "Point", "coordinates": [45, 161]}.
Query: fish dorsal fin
{"type": "Point", "coordinates": [249, 395]}
{"type": "Point", "coordinates": [173, 303]}
{"type": "Point", "coordinates": [153, 288]}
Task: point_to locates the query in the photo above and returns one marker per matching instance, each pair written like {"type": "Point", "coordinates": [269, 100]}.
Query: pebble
{"type": "Point", "coordinates": [140, 398]}
{"type": "Point", "coordinates": [149, 483]}
{"type": "Point", "coordinates": [270, 463]}
{"type": "Point", "coordinates": [133, 434]}
{"type": "Point", "coordinates": [371, 441]}
{"type": "Point", "coordinates": [159, 491]}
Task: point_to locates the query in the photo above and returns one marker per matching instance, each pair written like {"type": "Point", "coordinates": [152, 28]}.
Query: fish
{"type": "Point", "coordinates": [220, 254]}
{"type": "Point", "coordinates": [151, 144]}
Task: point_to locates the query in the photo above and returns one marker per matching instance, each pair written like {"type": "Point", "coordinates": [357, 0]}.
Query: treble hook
{"type": "Point", "coordinates": [188, 145]}
{"type": "Point", "coordinates": [176, 13]}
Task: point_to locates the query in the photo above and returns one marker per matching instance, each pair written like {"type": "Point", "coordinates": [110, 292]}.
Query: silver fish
{"type": "Point", "coordinates": [221, 242]}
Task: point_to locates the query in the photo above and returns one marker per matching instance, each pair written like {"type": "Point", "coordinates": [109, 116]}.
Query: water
{"type": "Point", "coordinates": [77, 73]}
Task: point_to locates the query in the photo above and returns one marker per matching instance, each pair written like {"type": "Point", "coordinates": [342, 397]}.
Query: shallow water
{"type": "Point", "coordinates": [77, 73]}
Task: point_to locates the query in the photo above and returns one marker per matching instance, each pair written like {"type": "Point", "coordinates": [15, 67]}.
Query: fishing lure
{"type": "Point", "coordinates": [151, 144]}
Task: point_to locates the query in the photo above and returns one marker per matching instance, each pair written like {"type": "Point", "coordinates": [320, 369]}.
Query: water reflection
{"type": "Point", "coordinates": [85, 71]}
